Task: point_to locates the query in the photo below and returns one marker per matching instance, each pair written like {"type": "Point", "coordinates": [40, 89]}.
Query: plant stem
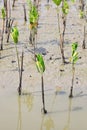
{"type": "Point", "coordinates": [73, 73]}
{"type": "Point", "coordinates": [20, 83]}
{"type": "Point", "coordinates": [43, 100]}
{"type": "Point", "coordinates": [13, 3]}
{"type": "Point", "coordinates": [61, 38]}
{"type": "Point", "coordinates": [25, 17]}
{"type": "Point", "coordinates": [83, 45]}
{"type": "Point", "coordinates": [9, 29]}
{"type": "Point", "coordinates": [18, 60]}
{"type": "Point", "coordinates": [2, 35]}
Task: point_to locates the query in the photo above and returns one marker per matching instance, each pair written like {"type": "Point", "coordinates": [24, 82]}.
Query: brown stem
{"type": "Point", "coordinates": [13, 3]}
{"type": "Point", "coordinates": [21, 70]}
{"type": "Point", "coordinates": [61, 38]}
{"type": "Point", "coordinates": [83, 45]}
{"type": "Point", "coordinates": [2, 35]}
{"type": "Point", "coordinates": [25, 17]}
{"type": "Point", "coordinates": [9, 29]}
{"type": "Point", "coordinates": [43, 100]}
{"type": "Point", "coordinates": [73, 73]}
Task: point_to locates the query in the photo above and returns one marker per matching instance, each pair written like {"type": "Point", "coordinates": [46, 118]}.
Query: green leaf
{"type": "Point", "coordinates": [73, 1]}
{"type": "Point", "coordinates": [40, 63]}
{"type": "Point", "coordinates": [15, 34]}
{"type": "Point", "coordinates": [74, 47]}
{"type": "Point", "coordinates": [65, 7]}
{"type": "Point", "coordinates": [33, 14]}
{"type": "Point", "coordinates": [57, 2]}
{"type": "Point", "coordinates": [3, 13]}
{"type": "Point", "coordinates": [75, 57]}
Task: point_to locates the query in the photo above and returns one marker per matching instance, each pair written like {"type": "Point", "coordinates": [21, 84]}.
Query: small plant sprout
{"type": "Point", "coordinates": [33, 18]}
{"type": "Point", "coordinates": [41, 68]}
{"type": "Point", "coordinates": [73, 60]}
{"type": "Point", "coordinates": [3, 15]}
{"type": "Point", "coordinates": [15, 36]}
{"type": "Point", "coordinates": [65, 10]}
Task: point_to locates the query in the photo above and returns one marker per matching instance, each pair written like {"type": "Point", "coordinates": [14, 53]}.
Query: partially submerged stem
{"type": "Point", "coordinates": [18, 60]}
{"type": "Point", "coordinates": [21, 70]}
{"type": "Point", "coordinates": [43, 100]}
{"type": "Point", "coordinates": [73, 73]}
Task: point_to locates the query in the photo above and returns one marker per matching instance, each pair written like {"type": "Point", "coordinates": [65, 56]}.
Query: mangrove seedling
{"type": "Point", "coordinates": [33, 18]}
{"type": "Point", "coordinates": [3, 17]}
{"type": "Point", "coordinates": [15, 36]}
{"type": "Point", "coordinates": [65, 9]}
{"type": "Point", "coordinates": [73, 60]}
{"type": "Point", "coordinates": [41, 68]}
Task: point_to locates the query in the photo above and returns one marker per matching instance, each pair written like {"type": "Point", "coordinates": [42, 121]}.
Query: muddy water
{"type": "Point", "coordinates": [24, 112]}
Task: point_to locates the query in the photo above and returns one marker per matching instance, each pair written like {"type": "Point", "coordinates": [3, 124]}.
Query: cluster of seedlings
{"type": "Point", "coordinates": [33, 13]}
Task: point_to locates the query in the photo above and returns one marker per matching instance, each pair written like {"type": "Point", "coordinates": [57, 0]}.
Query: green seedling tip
{"type": "Point", "coordinates": [3, 13]}
{"type": "Point", "coordinates": [65, 7]}
{"type": "Point", "coordinates": [15, 34]}
{"type": "Point", "coordinates": [33, 14]}
{"type": "Point", "coordinates": [74, 56]}
{"type": "Point", "coordinates": [57, 2]}
{"type": "Point", "coordinates": [40, 63]}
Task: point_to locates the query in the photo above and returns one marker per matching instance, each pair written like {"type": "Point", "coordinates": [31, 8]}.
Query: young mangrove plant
{"type": "Point", "coordinates": [65, 10]}
{"type": "Point", "coordinates": [41, 68]}
{"type": "Point", "coordinates": [3, 17]}
{"type": "Point", "coordinates": [15, 36]}
{"type": "Point", "coordinates": [73, 60]}
{"type": "Point", "coordinates": [33, 18]}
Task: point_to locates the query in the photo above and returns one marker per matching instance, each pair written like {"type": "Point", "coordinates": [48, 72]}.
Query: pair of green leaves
{"type": "Point", "coordinates": [3, 13]}
{"type": "Point", "coordinates": [65, 7]}
{"type": "Point", "coordinates": [40, 63]}
{"type": "Point", "coordinates": [15, 34]}
{"type": "Point", "coordinates": [74, 57]}
{"type": "Point", "coordinates": [33, 14]}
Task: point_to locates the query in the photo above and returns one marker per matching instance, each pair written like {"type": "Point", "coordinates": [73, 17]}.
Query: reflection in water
{"type": "Point", "coordinates": [69, 115]}
{"type": "Point", "coordinates": [47, 123]}
{"type": "Point", "coordinates": [28, 100]}
{"type": "Point", "coordinates": [19, 114]}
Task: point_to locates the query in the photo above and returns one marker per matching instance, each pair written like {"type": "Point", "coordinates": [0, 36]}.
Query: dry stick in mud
{"type": "Point", "coordinates": [74, 59]}
{"type": "Point", "coordinates": [3, 17]}
{"type": "Point", "coordinates": [41, 68]}
{"type": "Point", "coordinates": [9, 28]}
{"type": "Point", "coordinates": [25, 16]}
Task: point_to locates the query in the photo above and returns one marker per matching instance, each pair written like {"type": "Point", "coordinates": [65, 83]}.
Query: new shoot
{"type": "Point", "coordinates": [41, 69]}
